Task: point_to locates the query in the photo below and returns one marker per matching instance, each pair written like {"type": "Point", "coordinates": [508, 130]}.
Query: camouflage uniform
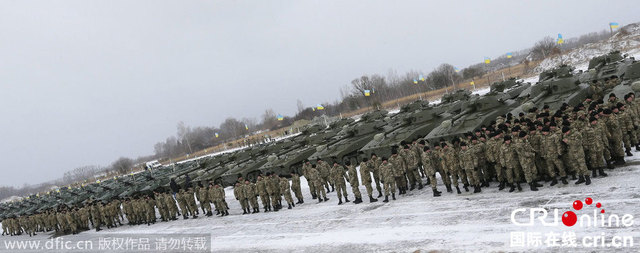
{"type": "Point", "coordinates": [526, 156]}
{"type": "Point", "coordinates": [250, 194]}
{"type": "Point", "coordinates": [286, 191]}
{"type": "Point", "coordinates": [509, 160]}
{"type": "Point", "coordinates": [325, 173]}
{"type": "Point", "coordinates": [353, 181]}
{"type": "Point", "coordinates": [238, 193]}
{"type": "Point", "coordinates": [295, 187]}
{"type": "Point", "coordinates": [615, 135]}
{"type": "Point", "coordinates": [261, 185]}
{"type": "Point", "coordinates": [468, 162]}
{"type": "Point", "coordinates": [593, 147]}
{"type": "Point", "coordinates": [374, 167]}
{"type": "Point", "coordinates": [411, 166]}
{"type": "Point", "coordinates": [388, 177]}
{"type": "Point", "coordinates": [305, 171]}
{"type": "Point", "coordinates": [551, 152]}
{"type": "Point", "coordinates": [429, 168]}
{"type": "Point", "coordinates": [365, 175]}
{"type": "Point", "coordinates": [451, 165]}
{"type": "Point", "coordinates": [398, 169]}
{"type": "Point", "coordinates": [337, 177]}
{"type": "Point", "coordinates": [314, 176]}
{"type": "Point", "coordinates": [576, 152]}
{"type": "Point", "coordinates": [205, 200]}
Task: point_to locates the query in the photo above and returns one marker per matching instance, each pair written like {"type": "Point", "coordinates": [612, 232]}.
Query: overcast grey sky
{"type": "Point", "coordinates": [85, 82]}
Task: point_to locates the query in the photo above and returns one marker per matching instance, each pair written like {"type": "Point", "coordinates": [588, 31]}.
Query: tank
{"type": "Point", "coordinates": [555, 87]}
{"type": "Point", "coordinates": [414, 121]}
{"type": "Point", "coordinates": [346, 144]}
{"type": "Point", "coordinates": [480, 110]}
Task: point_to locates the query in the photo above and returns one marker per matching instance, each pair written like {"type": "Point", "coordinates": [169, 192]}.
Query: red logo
{"type": "Point", "coordinates": [569, 218]}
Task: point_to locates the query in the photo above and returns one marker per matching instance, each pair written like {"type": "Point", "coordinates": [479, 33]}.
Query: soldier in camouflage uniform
{"type": "Point", "coordinates": [182, 202]}
{"type": "Point", "coordinates": [217, 195]}
{"type": "Point", "coordinates": [509, 160]}
{"type": "Point", "coordinates": [353, 181]}
{"type": "Point", "coordinates": [314, 176]}
{"type": "Point", "coordinates": [96, 216]}
{"type": "Point", "coordinates": [295, 187]}
{"type": "Point", "coordinates": [337, 177]}
{"type": "Point", "coordinates": [451, 164]}
{"type": "Point", "coordinates": [251, 195]}
{"type": "Point", "coordinates": [412, 162]}
{"type": "Point", "coordinates": [374, 167]}
{"type": "Point", "coordinates": [325, 174]}
{"type": "Point", "coordinates": [261, 186]}
{"type": "Point", "coordinates": [238, 193]}
{"type": "Point", "coordinates": [365, 174]}
{"type": "Point", "coordinates": [398, 170]}
{"type": "Point", "coordinates": [285, 190]}
{"type": "Point", "coordinates": [205, 200]}
{"type": "Point", "coordinates": [427, 158]}
{"type": "Point", "coordinates": [551, 152]}
{"type": "Point", "coordinates": [305, 168]}
{"type": "Point", "coordinates": [526, 156]}
{"type": "Point", "coordinates": [575, 151]}
{"type": "Point", "coordinates": [614, 135]}
{"type": "Point", "coordinates": [594, 148]}
{"type": "Point", "coordinates": [191, 201]}
{"type": "Point", "coordinates": [469, 163]}
{"type": "Point", "coordinates": [388, 179]}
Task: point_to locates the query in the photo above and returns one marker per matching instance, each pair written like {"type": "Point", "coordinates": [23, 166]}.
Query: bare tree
{"type": "Point", "coordinates": [300, 105]}
{"type": "Point", "coordinates": [122, 165]}
{"type": "Point", "coordinates": [269, 119]}
{"type": "Point", "coordinates": [543, 48]}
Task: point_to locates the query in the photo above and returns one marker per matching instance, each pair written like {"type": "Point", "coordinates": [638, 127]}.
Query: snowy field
{"type": "Point", "coordinates": [416, 221]}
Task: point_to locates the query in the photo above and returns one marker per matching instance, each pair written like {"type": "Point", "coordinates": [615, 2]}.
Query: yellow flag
{"type": "Point", "coordinates": [472, 83]}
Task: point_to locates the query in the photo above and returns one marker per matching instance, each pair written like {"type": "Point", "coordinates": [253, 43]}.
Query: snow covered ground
{"type": "Point", "coordinates": [416, 221]}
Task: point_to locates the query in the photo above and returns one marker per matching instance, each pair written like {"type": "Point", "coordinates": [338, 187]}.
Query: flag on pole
{"type": "Point", "coordinates": [217, 135]}
{"type": "Point", "coordinates": [319, 107]}
{"type": "Point", "coordinates": [367, 93]}
{"type": "Point", "coordinates": [614, 25]}
{"type": "Point", "coordinates": [314, 109]}
{"type": "Point", "coordinates": [487, 60]}
{"type": "Point", "coordinates": [560, 39]}
{"type": "Point", "coordinates": [415, 81]}
{"type": "Point", "coordinates": [421, 78]}
{"type": "Point", "coordinates": [280, 117]}
{"type": "Point", "coordinates": [456, 69]}
{"type": "Point", "coordinates": [246, 127]}
{"type": "Point", "coordinates": [472, 83]}
{"type": "Point", "coordinates": [509, 55]}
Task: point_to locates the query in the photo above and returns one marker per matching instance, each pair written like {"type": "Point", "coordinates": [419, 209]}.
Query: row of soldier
{"type": "Point", "coordinates": [530, 148]}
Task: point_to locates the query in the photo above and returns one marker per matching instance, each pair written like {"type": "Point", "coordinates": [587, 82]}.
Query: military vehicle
{"type": "Point", "coordinates": [480, 110]}
{"type": "Point", "coordinates": [414, 121]}
{"type": "Point", "coordinates": [351, 138]}
{"type": "Point", "coordinates": [554, 88]}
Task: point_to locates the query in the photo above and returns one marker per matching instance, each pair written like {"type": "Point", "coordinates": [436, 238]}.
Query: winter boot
{"type": "Point", "coordinates": [244, 211]}
{"type": "Point", "coordinates": [293, 205]}
{"type": "Point", "coordinates": [393, 195]}
{"type": "Point", "coordinates": [371, 199]}
{"type": "Point", "coordinates": [436, 193]}
{"type": "Point", "coordinates": [512, 188]}
{"type": "Point", "coordinates": [420, 186]}
{"type": "Point", "coordinates": [629, 152]}
{"type": "Point", "coordinates": [466, 187]}
{"type": "Point", "coordinates": [313, 196]}
{"type": "Point", "coordinates": [289, 206]}
{"type": "Point", "coordinates": [458, 189]}
{"type": "Point", "coordinates": [501, 187]}
{"type": "Point", "coordinates": [519, 188]}
{"type": "Point", "coordinates": [379, 194]}
{"type": "Point", "coordinates": [319, 200]}
{"type": "Point", "coordinates": [601, 171]}
{"type": "Point", "coordinates": [587, 180]}
{"type": "Point", "coordinates": [564, 180]}
{"type": "Point", "coordinates": [580, 180]}
{"type": "Point", "coordinates": [428, 181]}
{"type": "Point", "coordinates": [386, 199]}
{"type": "Point", "coordinates": [637, 147]}
{"type": "Point", "coordinates": [609, 165]}
{"type": "Point", "coordinates": [357, 201]}
{"type": "Point", "coordinates": [346, 199]}
{"type": "Point", "coordinates": [594, 174]}
{"type": "Point", "coordinates": [326, 199]}
{"type": "Point", "coordinates": [554, 181]}
{"type": "Point", "coordinates": [533, 187]}
{"type": "Point", "coordinates": [339, 201]}
{"type": "Point", "coordinates": [476, 189]}
{"type": "Point", "coordinates": [333, 188]}
{"type": "Point", "coordinates": [537, 184]}
{"type": "Point", "coordinates": [449, 188]}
